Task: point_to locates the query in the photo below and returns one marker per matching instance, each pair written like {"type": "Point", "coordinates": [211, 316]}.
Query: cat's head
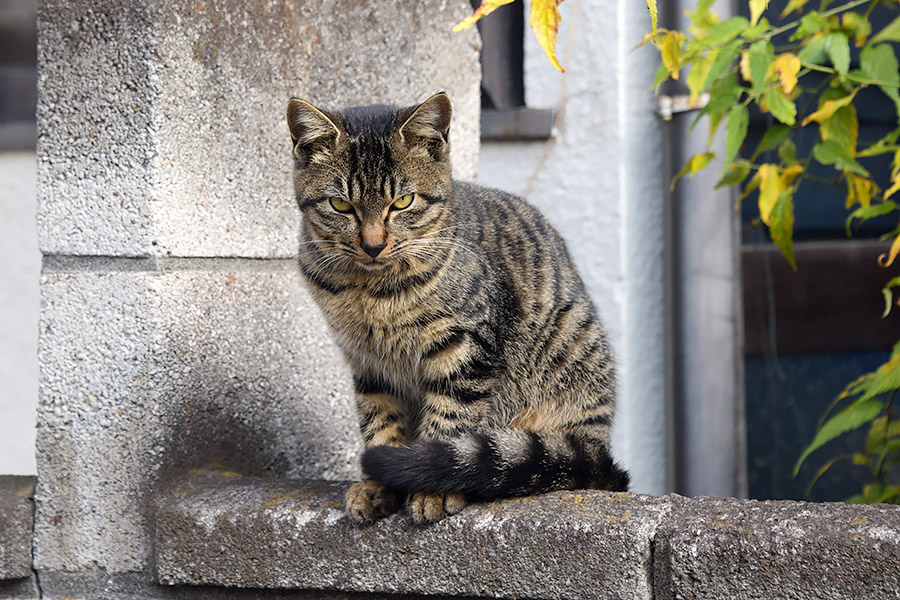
{"type": "Point", "coordinates": [372, 182]}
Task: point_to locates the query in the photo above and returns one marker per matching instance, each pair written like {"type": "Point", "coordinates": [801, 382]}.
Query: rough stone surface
{"type": "Point", "coordinates": [16, 521]}
{"type": "Point", "coordinates": [24, 588]}
{"type": "Point", "coordinates": [151, 369]}
{"type": "Point", "coordinates": [559, 545]}
{"type": "Point", "coordinates": [724, 548]}
{"type": "Point", "coordinates": [161, 125]}
{"type": "Point", "coordinates": [99, 585]}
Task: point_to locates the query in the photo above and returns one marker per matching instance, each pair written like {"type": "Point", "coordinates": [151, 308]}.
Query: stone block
{"type": "Point", "coordinates": [725, 548]}
{"type": "Point", "coordinates": [16, 521]}
{"type": "Point", "coordinates": [162, 125]}
{"type": "Point", "coordinates": [154, 368]}
{"type": "Point", "coordinates": [25, 588]}
{"type": "Point", "coordinates": [249, 533]}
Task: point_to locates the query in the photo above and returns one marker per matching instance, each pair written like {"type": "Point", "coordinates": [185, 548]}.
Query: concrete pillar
{"type": "Point", "coordinates": [175, 333]}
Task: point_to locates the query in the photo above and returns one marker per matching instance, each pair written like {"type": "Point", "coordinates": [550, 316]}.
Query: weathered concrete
{"type": "Point", "coordinates": [16, 522]}
{"type": "Point", "coordinates": [724, 548]}
{"type": "Point", "coordinates": [161, 124]}
{"type": "Point", "coordinates": [175, 333]}
{"type": "Point", "coordinates": [165, 366]}
{"type": "Point", "coordinates": [24, 588]}
{"type": "Point", "coordinates": [569, 545]}
{"type": "Point", "coordinates": [99, 585]}
{"type": "Point", "coordinates": [559, 545]}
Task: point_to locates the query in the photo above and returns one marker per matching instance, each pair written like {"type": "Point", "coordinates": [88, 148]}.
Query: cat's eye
{"type": "Point", "coordinates": [342, 206]}
{"type": "Point", "coordinates": [402, 202]}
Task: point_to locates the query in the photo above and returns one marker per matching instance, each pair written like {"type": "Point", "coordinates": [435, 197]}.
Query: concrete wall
{"type": "Point", "coordinates": [175, 333]}
{"type": "Point", "coordinates": [601, 182]}
{"type": "Point", "coordinates": [20, 264]}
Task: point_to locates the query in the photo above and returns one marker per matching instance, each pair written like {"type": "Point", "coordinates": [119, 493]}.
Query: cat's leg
{"type": "Point", "coordinates": [461, 383]}
{"type": "Point", "coordinates": [382, 422]}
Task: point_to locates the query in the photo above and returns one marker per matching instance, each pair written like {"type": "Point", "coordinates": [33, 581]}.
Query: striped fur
{"type": "Point", "coordinates": [480, 366]}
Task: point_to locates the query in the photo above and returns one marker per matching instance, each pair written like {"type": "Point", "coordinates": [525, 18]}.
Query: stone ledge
{"type": "Point", "coordinates": [293, 535]}
{"type": "Point", "coordinates": [16, 525]}
{"type": "Point", "coordinates": [251, 533]}
{"type": "Point", "coordinates": [728, 548]}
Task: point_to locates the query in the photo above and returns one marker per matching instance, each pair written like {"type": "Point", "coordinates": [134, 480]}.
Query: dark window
{"type": "Point", "coordinates": [18, 74]}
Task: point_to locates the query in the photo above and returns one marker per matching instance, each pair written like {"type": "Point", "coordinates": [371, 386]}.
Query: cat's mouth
{"type": "Point", "coordinates": [371, 265]}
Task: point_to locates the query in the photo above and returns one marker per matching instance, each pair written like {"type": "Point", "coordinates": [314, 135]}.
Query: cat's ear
{"type": "Point", "coordinates": [311, 130]}
{"type": "Point", "coordinates": [429, 125]}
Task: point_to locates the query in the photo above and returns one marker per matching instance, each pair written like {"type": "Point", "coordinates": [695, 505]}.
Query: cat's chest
{"type": "Point", "coordinates": [380, 331]}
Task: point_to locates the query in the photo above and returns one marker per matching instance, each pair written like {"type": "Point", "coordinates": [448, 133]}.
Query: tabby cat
{"type": "Point", "coordinates": [480, 367]}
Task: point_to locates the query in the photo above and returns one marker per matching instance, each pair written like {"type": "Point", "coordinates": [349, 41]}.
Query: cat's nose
{"type": "Point", "coordinates": [373, 250]}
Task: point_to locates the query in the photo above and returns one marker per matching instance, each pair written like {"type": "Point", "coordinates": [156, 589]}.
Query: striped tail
{"type": "Point", "coordinates": [496, 464]}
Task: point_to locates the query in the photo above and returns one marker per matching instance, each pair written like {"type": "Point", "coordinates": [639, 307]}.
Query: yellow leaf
{"type": "Point", "coordinates": [770, 187]}
{"type": "Point", "coordinates": [756, 10]}
{"type": "Point", "coordinates": [486, 8]}
{"type": "Point", "coordinates": [859, 190]}
{"type": "Point", "coordinates": [654, 14]}
{"type": "Point", "coordinates": [790, 174]}
{"type": "Point", "coordinates": [886, 260]}
{"type": "Point", "coordinates": [745, 66]}
{"type": "Point", "coordinates": [792, 6]}
{"type": "Point", "coordinates": [544, 20]}
{"type": "Point", "coordinates": [787, 66]}
{"type": "Point", "coordinates": [828, 108]}
{"type": "Point", "coordinates": [671, 52]}
{"type": "Point", "coordinates": [697, 76]}
{"type": "Point", "coordinates": [895, 186]}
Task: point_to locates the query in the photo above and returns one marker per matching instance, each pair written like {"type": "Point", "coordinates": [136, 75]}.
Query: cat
{"type": "Point", "coordinates": [481, 369]}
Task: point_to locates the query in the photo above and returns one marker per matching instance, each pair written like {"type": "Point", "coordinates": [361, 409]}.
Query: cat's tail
{"type": "Point", "coordinates": [496, 464]}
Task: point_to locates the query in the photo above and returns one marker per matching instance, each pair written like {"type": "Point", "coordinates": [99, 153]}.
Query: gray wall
{"type": "Point", "coordinates": [20, 264]}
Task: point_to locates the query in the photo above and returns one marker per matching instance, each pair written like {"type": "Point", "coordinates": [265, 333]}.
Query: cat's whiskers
{"type": "Point", "coordinates": [445, 242]}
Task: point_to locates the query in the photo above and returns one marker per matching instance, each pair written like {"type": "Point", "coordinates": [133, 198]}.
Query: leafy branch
{"type": "Point", "coordinates": [736, 63]}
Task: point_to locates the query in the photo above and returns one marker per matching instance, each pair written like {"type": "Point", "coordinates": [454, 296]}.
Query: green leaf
{"type": "Point", "coordinates": [662, 73]}
{"type": "Point", "coordinates": [787, 152]}
{"type": "Point", "coordinates": [781, 225]}
{"type": "Point", "coordinates": [723, 58]}
{"type": "Point", "coordinates": [886, 378]}
{"type": "Point", "coordinates": [853, 417]}
{"type": "Point", "coordinates": [760, 58]}
{"type": "Point", "coordinates": [891, 33]}
{"type": "Point", "coordinates": [736, 173]}
{"type": "Point", "coordinates": [726, 31]}
{"type": "Point", "coordinates": [837, 46]}
{"type": "Point", "coordinates": [810, 24]}
{"type": "Point", "coordinates": [864, 213]}
{"type": "Point", "coordinates": [735, 131]}
{"type": "Point", "coordinates": [832, 153]}
{"type": "Point", "coordinates": [781, 107]}
{"type": "Point", "coordinates": [842, 127]}
{"type": "Point", "coordinates": [754, 33]}
{"type": "Point", "coordinates": [771, 139]}
{"type": "Point", "coordinates": [814, 51]}
{"type": "Point", "coordinates": [882, 430]}
{"type": "Point", "coordinates": [880, 63]}
{"type": "Point", "coordinates": [697, 76]}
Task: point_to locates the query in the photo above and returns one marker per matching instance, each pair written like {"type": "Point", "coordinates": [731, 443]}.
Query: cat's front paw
{"type": "Point", "coordinates": [369, 500]}
{"type": "Point", "coordinates": [428, 508]}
